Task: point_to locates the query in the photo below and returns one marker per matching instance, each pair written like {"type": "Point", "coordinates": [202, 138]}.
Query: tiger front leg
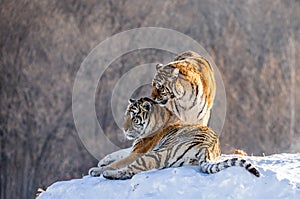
{"type": "Point", "coordinates": [97, 171]}
{"type": "Point", "coordinates": [107, 160]}
{"type": "Point", "coordinates": [147, 162]}
{"type": "Point", "coordinates": [118, 155]}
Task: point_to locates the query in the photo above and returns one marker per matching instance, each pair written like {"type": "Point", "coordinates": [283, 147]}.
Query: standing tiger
{"type": "Point", "coordinates": [188, 86]}
{"type": "Point", "coordinates": [161, 141]}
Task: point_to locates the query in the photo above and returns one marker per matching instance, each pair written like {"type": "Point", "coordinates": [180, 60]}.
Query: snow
{"type": "Point", "coordinates": [280, 179]}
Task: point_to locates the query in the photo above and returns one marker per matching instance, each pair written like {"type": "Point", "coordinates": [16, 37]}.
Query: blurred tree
{"type": "Point", "coordinates": [254, 44]}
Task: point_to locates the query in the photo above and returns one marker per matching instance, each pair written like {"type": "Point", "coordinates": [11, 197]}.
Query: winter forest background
{"type": "Point", "coordinates": [255, 44]}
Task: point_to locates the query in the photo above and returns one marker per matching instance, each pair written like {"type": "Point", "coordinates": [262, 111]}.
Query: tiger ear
{"type": "Point", "coordinates": [147, 106]}
{"type": "Point", "coordinates": [159, 66]}
{"type": "Point", "coordinates": [131, 101]}
{"type": "Point", "coordinates": [175, 73]}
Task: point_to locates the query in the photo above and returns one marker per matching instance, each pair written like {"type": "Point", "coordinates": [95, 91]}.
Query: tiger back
{"type": "Point", "coordinates": [187, 86]}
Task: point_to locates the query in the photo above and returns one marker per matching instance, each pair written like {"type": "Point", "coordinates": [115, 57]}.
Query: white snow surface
{"type": "Point", "coordinates": [280, 179]}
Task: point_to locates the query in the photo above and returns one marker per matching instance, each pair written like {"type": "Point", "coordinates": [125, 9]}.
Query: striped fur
{"type": "Point", "coordinates": [161, 142]}
{"type": "Point", "coordinates": [187, 86]}
{"type": "Point", "coordinates": [207, 167]}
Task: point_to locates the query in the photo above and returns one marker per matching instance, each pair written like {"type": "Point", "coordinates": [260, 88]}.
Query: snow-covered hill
{"type": "Point", "coordinates": [280, 179]}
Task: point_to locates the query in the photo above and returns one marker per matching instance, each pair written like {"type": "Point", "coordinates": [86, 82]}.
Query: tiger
{"type": "Point", "coordinates": [161, 141]}
{"type": "Point", "coordinates": [187, 86]}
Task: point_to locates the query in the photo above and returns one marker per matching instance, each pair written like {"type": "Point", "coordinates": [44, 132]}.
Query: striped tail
{"type": "Point", "coordinates": [207, 167]}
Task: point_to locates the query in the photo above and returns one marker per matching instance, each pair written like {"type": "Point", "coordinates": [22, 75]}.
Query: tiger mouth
{"type": "Point", "coordinates": [162, 101]}
{"type": "Point", "coordinates": [130, 135]}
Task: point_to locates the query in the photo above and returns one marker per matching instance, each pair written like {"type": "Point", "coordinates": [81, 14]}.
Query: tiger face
{"type": "Point", "coordinates": [162, 83]}
{"type": "Point", "coordinates": [137, 118]}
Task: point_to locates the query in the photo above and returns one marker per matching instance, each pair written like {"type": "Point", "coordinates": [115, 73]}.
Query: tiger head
{"type": "Point", "coordinates": [137, 118]}
{"type": "Point", "coordinates": [162, 83]}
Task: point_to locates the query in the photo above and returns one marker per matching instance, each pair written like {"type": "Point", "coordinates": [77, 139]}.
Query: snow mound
{"type": "Point", "coordinates": [280, 179]}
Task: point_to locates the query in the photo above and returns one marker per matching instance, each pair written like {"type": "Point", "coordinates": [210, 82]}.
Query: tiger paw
{"type": "Point", "coordinates": [116, 175]}
{"type": "Point", "coordinates": [111, 174]}
{"type": "Point", "coordinates": [95, 171]}
{"type": "Point", "coordinates": [105, 161]}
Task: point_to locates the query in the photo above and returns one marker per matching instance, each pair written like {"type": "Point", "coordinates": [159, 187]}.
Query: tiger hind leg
{"type": "Point", "coordinates": [207, 167]}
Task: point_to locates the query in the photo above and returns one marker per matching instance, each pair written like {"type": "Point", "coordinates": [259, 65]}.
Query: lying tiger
{"type": "Point", "coordinates": [187, 86]}
{"type": "Point", "coordinates": [160, 141]}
